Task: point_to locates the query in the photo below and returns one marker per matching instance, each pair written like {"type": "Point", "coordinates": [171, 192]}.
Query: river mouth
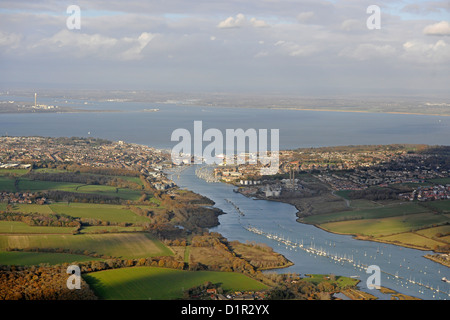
{"type": "Point", "coordinates": [315, 251]}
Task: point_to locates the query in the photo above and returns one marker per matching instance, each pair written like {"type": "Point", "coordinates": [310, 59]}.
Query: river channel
{"type": "Point", "coordinates": [313, 250]}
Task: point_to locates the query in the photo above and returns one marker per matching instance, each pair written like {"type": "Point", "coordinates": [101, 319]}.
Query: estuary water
{"type": "Point", "coordinates": [297, 128]}
{"type": "Point", "coordinates": [312, 250]}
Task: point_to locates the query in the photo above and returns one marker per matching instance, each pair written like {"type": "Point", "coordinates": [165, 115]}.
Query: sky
{"type": "Point", "coordinates": [304, 47]}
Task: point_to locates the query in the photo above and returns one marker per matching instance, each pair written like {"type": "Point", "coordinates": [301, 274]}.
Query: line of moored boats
{"type": "Point", "coordinates": [342, 259]}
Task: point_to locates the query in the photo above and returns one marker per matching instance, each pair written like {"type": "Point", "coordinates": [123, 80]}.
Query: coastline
{"type": "Point", "coordinates": [361, 111]}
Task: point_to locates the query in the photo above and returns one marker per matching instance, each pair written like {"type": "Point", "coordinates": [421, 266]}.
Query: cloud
{"type": "Point", "coordinates": [240, 21]}
{"type": "Point", "coordinates": [353, 24]}
{"type": "Point", "coordinates": [368, 51]}
{"type": "Point", "coordinates": [137, 45]}
{"type": "Point", "coordinates": [305, 17]}
{"type": "Point", "coordinates": [258, 23]}
{"type": "Point", "coordinates": [94, 45]}
{"type": "Point", "coordinates": [294, 49]}
{"type": "Point", "coordinates": [10, 40]}
{"type": "Point", "coordinates": [231, 22]}
{"type": "Point", "coordinates": [261, 54]}
{"type": "Point", "coordinates": [438, 29]}
{"type": "Point", "coordinates": [419, 51]}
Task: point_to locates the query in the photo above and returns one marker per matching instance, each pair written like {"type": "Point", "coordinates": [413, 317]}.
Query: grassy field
{"type": "Point", "coordinates": [100, 229]}
{"type": "Point", "coordinates": [404, 223]}
{"type": "Point", "coordinates": [21, 227]}
{"type": "Point", "coordinates": [32, 208]}
{"type": "Point", "coordinates": [209, 256]}
{"type": "Point", "coordinates": [7, 184]}
{"type": "Point", "coordinates": [364, 204]}
{"type": "Point", "coordinates": [37, 185]}
{"type": "Point", "coordinates": [340, 281]}
{"type": "Point", "coordinates": [386, 226]}
{"type": "Point", "coordinates": [413, 239]}
{"type": "Point", "coordinates": [120, 245]}
{"type": "Point", "coordinates": [13, 172]}
{"type": "Point", "coordinates": [27, 185]}
{"type": "Point", "coordinates": [443, 205]}
{"type": "Point", "coordinates": [36, 258]}
{"type": "Point", "coordinates": [104, 212]}
{"type": "Point", "coordinates": [434, 232]}
{"type": "Point", "coordinates": [144, 283]}
{"type": "Point", "coordinates": [370, 213]}
{"type": "Point", "coordinates": [343, 193]}
{"type": "Point", "coordinates": [126, 194]}
{"type": "Point", "coordinates": [443, 181]}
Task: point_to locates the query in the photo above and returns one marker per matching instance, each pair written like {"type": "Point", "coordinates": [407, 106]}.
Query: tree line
{"type": "Point", "coordinates": [40, 283]}
{"type": "Point", "coordinates": [36, 219]}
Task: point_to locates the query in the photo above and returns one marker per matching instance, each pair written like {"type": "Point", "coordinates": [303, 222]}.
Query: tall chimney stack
{"type": "Point", "coordinates": [35, 96]}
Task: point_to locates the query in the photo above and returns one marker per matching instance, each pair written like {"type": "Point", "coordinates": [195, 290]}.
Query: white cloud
{"type": "Point", "coordinates": [240, 21]}
{"type": "Point", "coordinates": [294, 49]}
{"type": "Point", "coordinates": [134, 53]}
{"type": "Point", "coordinates": [438, 52]}
{"type": "Point", "coordinates": [352, 24]}
{"type": "Point", "coordinates": [258, 23]}
{"type": "Point", "coordinates": [10, 40]}
{"type": "Point", "coordinates": [231, 22]}
{"type": "Point", "coordinates": [367, 51]}
{"type": "Point", "coordinates": [438, 29]}
{"type": "Point", "coordinates": [261, 54]}
{"type": "Point", "coordinates": [94, 45]}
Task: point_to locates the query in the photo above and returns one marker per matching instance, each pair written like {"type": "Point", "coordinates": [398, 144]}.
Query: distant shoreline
{"type": "Point", "coordinates": [361, 111]}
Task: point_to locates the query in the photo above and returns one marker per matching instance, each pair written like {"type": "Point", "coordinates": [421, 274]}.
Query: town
{"type": "Point", "coordinates": [23, 153]}
{"type": "Point", "coordinates": [345, 168]}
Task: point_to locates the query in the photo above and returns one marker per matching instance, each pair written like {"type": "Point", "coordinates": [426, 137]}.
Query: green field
{"type": "Point", "coordinates": [413, 239]}
{"type": "Point", "coordinates": [21, 227]}
{"type": "Point", "coordinates": [364, 204]}
{"type": "Point", "coordinates": [433, 232]}
{"type": "Point", "coordinates": [120, 245]}
{"type": "Point", "coordinates": [144, 283]}
{"type": "Point", "coordinates": [7, 184]}
{"type": "Point", "coordinates": [100, 229]}
{"type": "Point", "coordinates": [35, 258]}
{"type": "Point", "coordinates": [343, 193]}
{"type": "Point", "coordinates": [27, 185]}
{"type": "Point", "coordinates": [49, 170]}
{"type": "Point", "coordinates": [37, 185]}
{"type": "Point", "coordinates": [32, 208]}
{"type": "Point", "coordinates": [104, 212]}
{"type": "Point", "coordinates": [386, 226]}
{"type": "Point", "coordinates": [11, 172]}
{"type": "Point", "coordinates": [404, 223]}
{"type": "Point", "coordinates": [443, 181]}
{"type": "Point", "coordinates": [340, 281]}
{"type": "Point", "coordinates": [126, 194]}
{"type": "Point", "coordinates": [442, 205]}
{"type": "Point", "coordinates": [371, 213]}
